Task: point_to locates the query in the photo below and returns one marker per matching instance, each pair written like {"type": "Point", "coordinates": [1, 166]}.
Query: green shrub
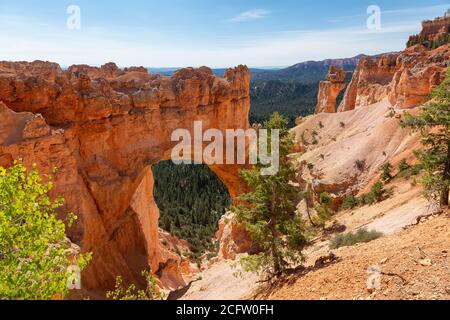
{"type": "Point", "coordinates": [411, 171]}
{"type": "Point", "coordinates": [36, 259]}
{"type": "Point", "coordinates": [386, 174]}
{"type": "Point", "coordinates": [325, 198]}
{"type": "Point", "coordinates": [121, 292]}
{"type": "Point", "coordinates": [403, 166]}
{"type": "Point", "coordinates": [377, 194]}
{"type": "Point", "coordinates": [350, 202]}
{"type": "Point", "coordinates": [349, 239]}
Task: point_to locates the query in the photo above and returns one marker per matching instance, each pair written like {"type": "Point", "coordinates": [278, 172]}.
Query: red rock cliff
{"type": "Point", "coordinates": [103, 128]}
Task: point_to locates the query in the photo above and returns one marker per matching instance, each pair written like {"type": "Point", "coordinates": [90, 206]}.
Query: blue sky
{"type": "Point", "coordinates": [219, 33]}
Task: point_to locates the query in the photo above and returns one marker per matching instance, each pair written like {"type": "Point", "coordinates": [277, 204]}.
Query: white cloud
{"type": "Point", "coordinates": [251, 15]}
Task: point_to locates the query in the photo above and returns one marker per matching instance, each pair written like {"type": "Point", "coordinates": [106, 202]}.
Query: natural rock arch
{"type": "Point", "coordinates": [103, 129]}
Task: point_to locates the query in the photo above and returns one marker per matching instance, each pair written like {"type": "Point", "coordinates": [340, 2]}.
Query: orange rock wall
{"type": "Point", "coordinates": [103, 128]}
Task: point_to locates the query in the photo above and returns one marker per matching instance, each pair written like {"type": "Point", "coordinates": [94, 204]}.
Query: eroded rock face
{"type": "Point", "coordinates": [418, 71]}
{"type": "Point", "coordinates": [330, 89]}
{"type": "Point", "coordinates": [233, 238]}
{"type": "Point", "coordinates": [370, 82]}
{"type": "Point", "coordinates": [406, 78]}
{"type": "Point", "coordinates": [102, 128]}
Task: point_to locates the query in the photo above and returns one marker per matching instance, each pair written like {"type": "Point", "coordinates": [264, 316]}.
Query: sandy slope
{"type": "Point", "coordinates": [220, 283]}
{"type": "Point", "coordinates": [366, 133]}
{"type": "Point", "coordinates": [419, 254]}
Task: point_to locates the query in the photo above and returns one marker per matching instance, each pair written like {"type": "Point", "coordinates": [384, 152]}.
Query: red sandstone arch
{"type": "Point", "coordinates": [103, 129]}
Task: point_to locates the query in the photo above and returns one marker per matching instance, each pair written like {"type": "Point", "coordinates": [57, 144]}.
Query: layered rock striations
{"type": "Point", "coordinates": [102, 129]}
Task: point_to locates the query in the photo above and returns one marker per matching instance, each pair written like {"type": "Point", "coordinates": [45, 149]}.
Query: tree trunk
{"type": "Point", "coordinates": [273, 231]}
{"type": "Point", "coordinates": [446, 178]}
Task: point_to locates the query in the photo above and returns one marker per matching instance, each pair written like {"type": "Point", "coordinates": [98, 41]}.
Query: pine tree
{"type": "Point", "coordinates": [434, 125]}
{"type": "Point", "coordinates": [268, 211]}
{"type": "Point", "coordinates": [386, 172]}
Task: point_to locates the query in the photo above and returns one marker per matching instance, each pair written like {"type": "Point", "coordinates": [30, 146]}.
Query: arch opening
{"type": "Point", "coordinates": [191, 200]}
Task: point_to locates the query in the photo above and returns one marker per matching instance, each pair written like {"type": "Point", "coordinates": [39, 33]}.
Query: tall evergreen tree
{"type": "Point", "coordinates": [268, 211]}
{"type": "Point", "coordinates": [434, 125]}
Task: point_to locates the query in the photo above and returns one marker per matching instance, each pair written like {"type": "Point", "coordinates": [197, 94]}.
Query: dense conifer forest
{"type": "Point", "coordinates": [191, 200]}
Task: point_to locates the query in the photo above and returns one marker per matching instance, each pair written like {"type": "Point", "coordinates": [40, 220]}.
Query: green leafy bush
{"type": "Point", "coordinates": [403, 166]}
{"type": "Point", "coordinates": [349, 239]}
{"type": "Point", "coordinates": [350, 202]}
{"type": "Point", "coordinates": [35, 255]}
{"type": "Point", "coordinates": [325, 198]}
{"type": "Point", "coordinates": [377, 194]}
{"type": "Point", "coordinates": [121, 292]}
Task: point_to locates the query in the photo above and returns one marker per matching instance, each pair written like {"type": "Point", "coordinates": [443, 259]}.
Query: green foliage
{"type": "Point", "coordinates": [434, 125]}
{"type": "Point", "coordinates": [377, 194]}
{"type": "Point", "coordinates": [35, 254]}
{"type": "Point", "coordinates": [350, 202]}
{"type": "Point", "coordinates": [349, 239]}
{"type": "Point", "coordinates": [191, 200]}
{"type": "Point", "coordinates": [269, 213]}
{"type": "Point", "coordinates": [386, 172]}
{"type": "Point", "coordinates": [121, 292]}
{"type": "Point", "coordinates": [325, 198]}
{"type": "Point", "coordinates": [291, 99]}
{"type": "Point", "coordinates": [430, 44]}
{"type": "Point", "coordinates": [403, 166]}
{"type": "Point", "coordinates": [323, 214]}
{"type": "Point", "coordinates": [323, 210]}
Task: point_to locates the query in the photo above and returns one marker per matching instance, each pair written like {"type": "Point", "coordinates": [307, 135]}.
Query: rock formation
{"type": "Point", "coordinates": [330, 89]}
{"type": "Point", "coordinates": [433, 31]}
{"type": "Point", "coordinates": [233, 238]}
{"type": "Point", "coordinates": [406, 78]}
{"type": "Point", "coordinates": [418, 71]}
{"type": "Point", "coordinates": [102, 129]}
{"type": "Point", "coordinates": [370, 82]}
